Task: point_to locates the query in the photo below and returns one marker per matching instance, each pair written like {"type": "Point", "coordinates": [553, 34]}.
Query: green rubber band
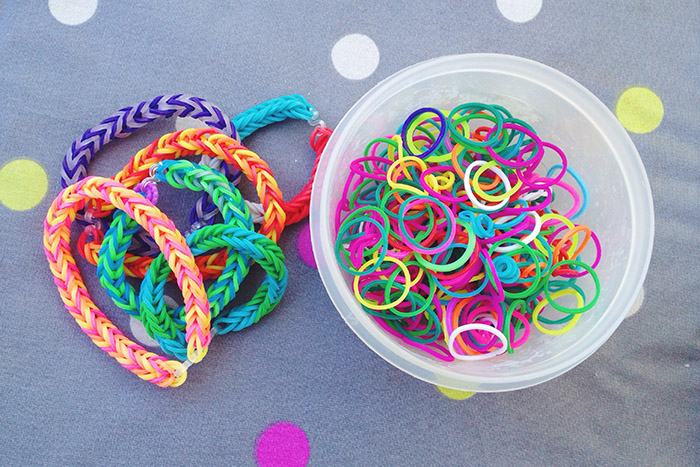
{"type": "Point", "coordinates": [590, 271]}
{"type": "Point", "coordinates": [347, 224]}
{"type": "Point", "coordinates": [478, 146]}
{"type": "Point", "coordinates": [459, 262]}
{"type": "Point", "coordinates": [417, 335]}
{"type": "Point", "coordinates": [518, 303]}
{"type": "Point", "coordinates": [388, 141]}
{"type": "Point", "coordinates": [390, 285]}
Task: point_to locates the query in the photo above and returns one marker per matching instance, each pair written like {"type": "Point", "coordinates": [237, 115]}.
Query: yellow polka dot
{"type": "Point", "coordinates": [455, 394]}
{"type": "Point", "coordinates": [23, 184]}
{"type": "Point", "coordinates": [639, 110]}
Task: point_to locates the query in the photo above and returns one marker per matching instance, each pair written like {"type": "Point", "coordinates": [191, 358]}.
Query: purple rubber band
{"type": "Point", "coordinates": [431, 149]}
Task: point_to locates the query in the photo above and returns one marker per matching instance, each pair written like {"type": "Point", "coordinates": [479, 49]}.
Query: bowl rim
{"type": "Point", "coordinates": [617, 138]}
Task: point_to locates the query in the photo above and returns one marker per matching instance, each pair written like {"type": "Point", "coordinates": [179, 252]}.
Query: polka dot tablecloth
{"type": "Point", "coordinates": [299, 388]}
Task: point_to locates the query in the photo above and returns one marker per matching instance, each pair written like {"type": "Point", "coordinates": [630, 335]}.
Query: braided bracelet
{"type": "Point", "coordinates": [118, 237]}
{"type": "Point", "coordinates": [262, 115]}
{"type": "Point", "coordinates": [196, 142]}
{"type": "Point", "coordinates": [92, 320]}
{"type": "Point", "coordinates": [242, 244]}
{"type": "Point", "coordinates": [125, 122]}
{"type": "Point", "coordinates": [278, 110]}
{"type": "Point", "coordinates": [129, 119]}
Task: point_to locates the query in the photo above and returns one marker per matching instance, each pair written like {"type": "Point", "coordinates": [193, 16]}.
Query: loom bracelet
{"type": "Point", "coordinates": [165, 325]}
{"type": "Point", "coordinates": [277, 110]}
{"type": "Point", "coordinates": [247, 246]}
{"type": "Point", "coordinates": [129, 119]}
{"type": "Point", "coordinates": [118, 238]}
{"type": "Point", "coordinates": [147, 365]}
{"type": "Point", "coordinates": [213, 144]}
{"type": "Point", "coordinates": [257, 117]}
{"type": "Point", "coordinates": [243, 245]}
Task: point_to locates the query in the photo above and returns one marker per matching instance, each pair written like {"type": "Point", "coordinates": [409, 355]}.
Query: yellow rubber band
{"type": "Point", "coordinates": [439, 157]}
{"type": "Point", "coordinates": [409, 188]}
{"type": "Point", "coordinates": [545, 301]}
{"type": "Point", "coordinates": [444, 182]}
{"type": "Point", "coordinates": [394, 153]}
{"type": "Point", "coordinates": [375, 306]}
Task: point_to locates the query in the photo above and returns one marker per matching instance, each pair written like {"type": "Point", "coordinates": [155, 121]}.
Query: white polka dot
{"type": "Point", "coordinates": [519, 11]}
{"type": "Point", "coordinates": [355, 56]}
{"type": "Point", "coordinates": [637, 304]}
{"type": "Point", "coordinates": [72, 12]}
{"type": "Point", "coordinates": [140, 334]}
{"type": "Point", "coordinates": [184, 123]}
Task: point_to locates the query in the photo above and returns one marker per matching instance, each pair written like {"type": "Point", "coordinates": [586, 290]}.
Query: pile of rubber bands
{"type": "Point", "coordinates": [449, 233]}
{"type": "Point", "coordinates": [125, 235]}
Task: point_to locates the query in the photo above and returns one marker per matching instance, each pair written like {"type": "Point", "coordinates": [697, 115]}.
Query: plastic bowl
{"type": "Point", "coordinates": [561, 111]}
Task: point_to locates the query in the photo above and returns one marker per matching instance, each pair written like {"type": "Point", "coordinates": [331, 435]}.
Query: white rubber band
{"type": "Point", "coordinates": [526, 240]}
{"type": "Point", "coordinates": [470, 193]}
{"type": "Point", "coordinates": [257, 212]}
{"type": "Point", "coordinates": [476, 327]}
{"type": "Point", "coordinates": [533, 195]}
{"type": "Point", "coordinates": [184, 366]}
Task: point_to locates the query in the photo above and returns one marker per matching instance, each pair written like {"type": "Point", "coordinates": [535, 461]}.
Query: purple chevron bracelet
{"type": "Point", "coordinates": [129, 119]}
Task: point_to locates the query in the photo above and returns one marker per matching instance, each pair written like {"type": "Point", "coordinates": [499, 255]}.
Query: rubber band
{"type": "Point", "coordinates": [528, 238]}
{"type": "Point", "coordinates": [581, 308]}
{"type": "Point", "coordinates": [386, 306]}
{"type": "Point", "coordinates": [477, 188]}
{"type": "Point", "coordinates": [476, 327]}
{"type": "Point", "coordinates": [545, 301]}
{"type": "Point", "coordinates": [581, 183]}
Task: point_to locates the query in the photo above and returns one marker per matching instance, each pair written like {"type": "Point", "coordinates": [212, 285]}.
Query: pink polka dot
{"type": "Point", "coordinates": [282, 445]}
{"type": "Point", "coordinates": [306, 253]}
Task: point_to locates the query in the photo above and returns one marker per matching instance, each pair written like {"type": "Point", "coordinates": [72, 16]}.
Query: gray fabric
{"type": "Point", "coordinates": [64, 402]}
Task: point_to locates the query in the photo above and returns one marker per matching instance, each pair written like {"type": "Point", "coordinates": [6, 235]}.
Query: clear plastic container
{"type": "Point", "coordinates": [561, 111]}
